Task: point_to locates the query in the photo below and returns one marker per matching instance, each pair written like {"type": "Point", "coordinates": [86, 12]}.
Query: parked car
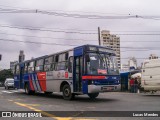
{"type": "Point", "coordinates": [9, 83]}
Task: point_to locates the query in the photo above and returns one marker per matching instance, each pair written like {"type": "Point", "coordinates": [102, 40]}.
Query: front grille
{"type": "Point", "coordinates": [104, 82]}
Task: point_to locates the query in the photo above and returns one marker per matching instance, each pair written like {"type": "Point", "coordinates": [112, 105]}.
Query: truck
{"type": "Point", "coordinates": [150, 81]}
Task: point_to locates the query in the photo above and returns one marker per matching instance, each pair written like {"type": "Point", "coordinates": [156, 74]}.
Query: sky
{"type": "Point", "coordinates": [68, 32]}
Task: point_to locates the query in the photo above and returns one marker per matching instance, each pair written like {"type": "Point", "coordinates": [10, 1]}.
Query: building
{"type": "Point", "coordinates": [153, 56]}
{"type": "Point", "coordinates": [131, 65]}
{"type": "Point", "coordinates": [124, 68]}
{"type": "Point", "coordinates": [132, 62]}
{"type": "Point", "coordinates": [12, 65]}
{"type": "Point", "coordinates": [112, 41]}
{"type": "Point", "coordinates": [21, 56]}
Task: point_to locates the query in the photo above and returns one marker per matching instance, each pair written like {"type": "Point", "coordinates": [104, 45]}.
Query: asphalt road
{"type": "Point", "coordinates": [17, 100]}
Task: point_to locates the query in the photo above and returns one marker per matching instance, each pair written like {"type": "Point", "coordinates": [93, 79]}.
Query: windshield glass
{"type": "Point", "coordinates": [10, 81]}
{"type": "Point", "coordinates": [101, 64]}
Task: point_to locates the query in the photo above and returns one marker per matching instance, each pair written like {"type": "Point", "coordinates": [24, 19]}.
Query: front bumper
{"type": "Point", "coordinates": [10, 86]}
{"type": "Point", "coordinates": [103, 88]}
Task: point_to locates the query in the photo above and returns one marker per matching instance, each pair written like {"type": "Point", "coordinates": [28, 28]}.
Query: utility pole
{"type": "Point", "coordinates": [0, 57]}
{"type": "Point", "coordinates": [99, 36]}
{"type": "Point", "coordinates": [0, 60]}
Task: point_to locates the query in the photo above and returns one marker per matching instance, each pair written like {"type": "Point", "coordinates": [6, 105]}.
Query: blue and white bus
{"type": "Point", "coordinates": [87, 69]}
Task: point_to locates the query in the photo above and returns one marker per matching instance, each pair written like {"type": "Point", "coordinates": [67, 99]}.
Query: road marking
{"type": "Point", "coordinates": [42, 112]}
{"type": "Point", "coordinates": [12, 91]}
{"type": "Point", "coordinates": [76, 115]}
{"type": "Point", "coordinates": [7, 91]}
{"type": "Point", "coordinates": [33, 104]}
{"type": "Point", "coordinates": [18, 99]}
{"type": "Point", "coordinates": [15, 91]}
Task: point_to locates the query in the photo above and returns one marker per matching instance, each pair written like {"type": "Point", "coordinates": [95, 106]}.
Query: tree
{"type": "Point", "coordinates": [6, 73]}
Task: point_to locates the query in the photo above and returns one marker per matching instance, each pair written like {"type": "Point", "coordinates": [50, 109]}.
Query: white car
{"type": "Point", "coordinates": [9, 83]}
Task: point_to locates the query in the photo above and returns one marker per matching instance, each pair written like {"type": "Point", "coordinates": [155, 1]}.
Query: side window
{"type": "Point", "coordinates": [52, 67]}
{"type": "Point", "coordinates": [48, 65]}
{"type": "Point", "coordinates": [61, 61]}
{"type": "Point", "coordinates": [17, 69]}
{"type": "Point", "coordinates": [70, 64]}
{"type": "Point", "coordinates": [49, 60]}
{"type": "Point", "coordinates": [30, 67]}
{"type": "Point", "coordinates": [39, 65]}
{"type": "Point", "coordinates": [61, 66]}
{"type": "Point", "coordinates": [56, 58]}
{"type": "Point", "coordinates": [66, 56]}
{"type": "Point", "coordinates": [26, 68]}
{"type": "Point", "coordinates": [61, 57]}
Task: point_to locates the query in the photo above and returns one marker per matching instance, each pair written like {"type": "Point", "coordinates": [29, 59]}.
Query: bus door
{"type": "Point", "coordinates": [78, 73]}
{"type": "Point", "coordinates": [21, 76]}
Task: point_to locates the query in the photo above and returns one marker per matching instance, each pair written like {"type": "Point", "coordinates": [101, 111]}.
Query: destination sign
{"type": "Point", "coordinates": [92, 48]}
{"type": "Point", "coordinates": [105, 50]}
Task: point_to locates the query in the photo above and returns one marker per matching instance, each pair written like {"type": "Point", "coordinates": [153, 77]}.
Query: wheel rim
{"type": "Point", "coordinates": [67, 92]}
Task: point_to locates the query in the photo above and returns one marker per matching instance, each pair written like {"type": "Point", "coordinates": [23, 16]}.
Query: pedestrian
{"type": "Point", "coordinates": [139, 84]}
{"type": "Point", "coordinates": [135, 85]}
{"type": "Point", "coordinates": [131, 82]}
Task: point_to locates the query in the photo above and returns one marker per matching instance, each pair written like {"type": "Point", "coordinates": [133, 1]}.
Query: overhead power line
{"type": "Point", "coordinates": [46, 30]}
{"type": "Point", "coordinates": [20, 41]}
{"type": "Point", "coordinates": [47, 43]}
{"type": "Point", "coordinates": [13, 7]}
{"type": "Point", "coordinates": [70, 39]}
{"type": "Point", "coordinates": [70, 32]}
{"type": "Point", "coordinates": [141, 34]}
{"type": "Point", "coordinates": [45, 37]}
{"type": "Point", "coordinates": [76, 15]}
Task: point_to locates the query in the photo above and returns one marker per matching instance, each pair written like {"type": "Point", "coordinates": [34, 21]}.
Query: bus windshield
{"type": "Point", "coordinates": [101, 64]}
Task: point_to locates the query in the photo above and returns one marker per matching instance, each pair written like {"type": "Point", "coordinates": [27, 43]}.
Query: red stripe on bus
{"type": "Point", "coordinates": [42, 80]}
{"type": "Point", "coordinates": [31, 83]}
{"type": "Point", "coordinates": [93, 77]}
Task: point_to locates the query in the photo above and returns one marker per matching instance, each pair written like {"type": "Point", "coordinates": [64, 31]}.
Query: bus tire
{"type": "Point", "coordinates": [93, 95]}
{"type": "Point", "coordinates": [67, 95]}
{"type": "Point", "coordinates": [27, 91]}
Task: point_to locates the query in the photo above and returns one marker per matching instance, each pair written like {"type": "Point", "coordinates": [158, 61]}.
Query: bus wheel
{"type": "Point", "coordinates": [67, 95]}
{"type": "Point", "coordinates": [93, 95]}
{"type": "Point", "coordinates": [27, 91]}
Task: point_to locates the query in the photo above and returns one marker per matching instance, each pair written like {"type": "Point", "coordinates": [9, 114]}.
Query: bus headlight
{"type": "Point", "coordinates": [92, 82]}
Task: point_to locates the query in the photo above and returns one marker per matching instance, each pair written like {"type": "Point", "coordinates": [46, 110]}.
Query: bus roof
{"type": "Point", "coordinates": [82, 46]}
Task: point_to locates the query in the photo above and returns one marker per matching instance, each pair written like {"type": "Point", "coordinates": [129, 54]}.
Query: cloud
{"type": "Point", "coordinates": [10, 50]}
